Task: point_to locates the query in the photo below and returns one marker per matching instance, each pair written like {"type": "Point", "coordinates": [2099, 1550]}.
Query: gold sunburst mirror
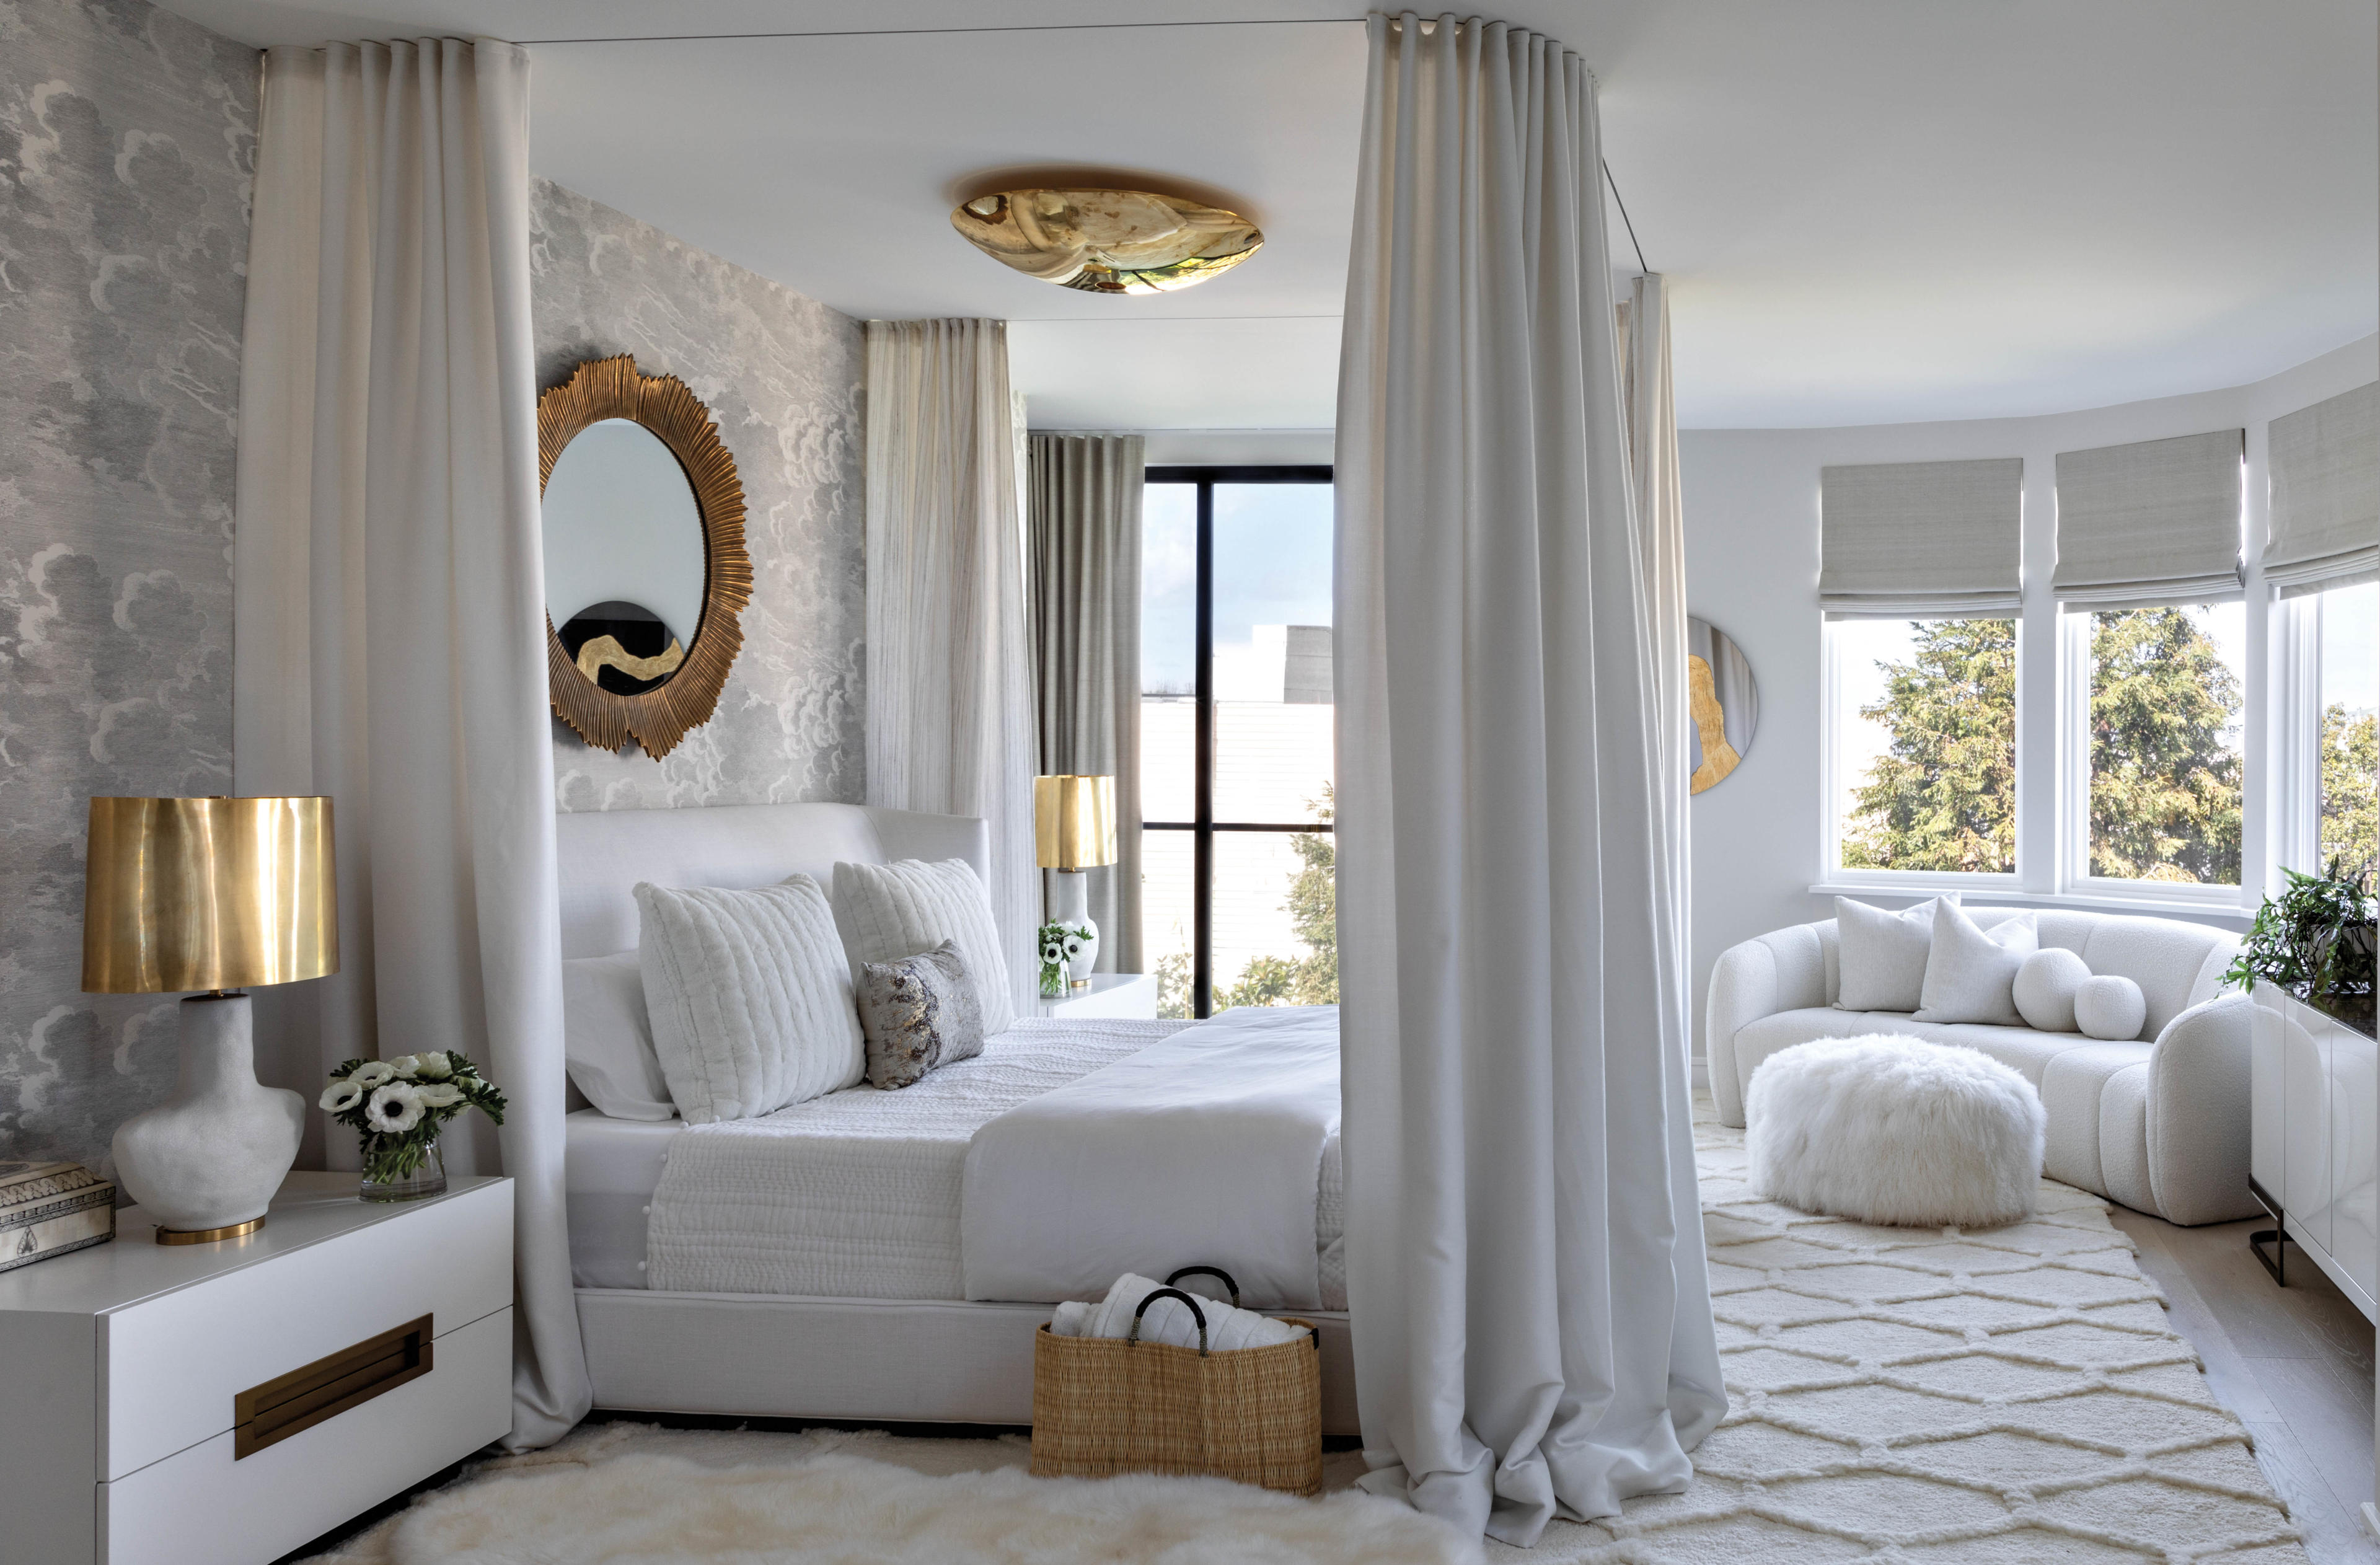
{"type": "Point", "coordinates": [646, 574]}
{"type": "Point", "coordinates": [1107, 241]}
{"type": "Point", "coordinates": [1722, 701]}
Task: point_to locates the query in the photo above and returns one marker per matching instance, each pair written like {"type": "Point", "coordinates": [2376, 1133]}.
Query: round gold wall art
{"type": "Point", "coordinates": [1107, 241]}
{"type": "Point", "coordinates": [644, 569]}
{"type": "Point", "coordinates": [1722, 701]}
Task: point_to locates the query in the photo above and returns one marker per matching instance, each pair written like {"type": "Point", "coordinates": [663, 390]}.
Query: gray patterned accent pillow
{"type": "Point", "coordinates": [920, 1013]}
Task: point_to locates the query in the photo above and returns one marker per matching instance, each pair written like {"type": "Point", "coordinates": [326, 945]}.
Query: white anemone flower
{"type": "Point", "coordinates": [395, 1108]}
{"type": "Point", "coordinates": [433, 1065]}
{"type": "Point", "coordinates": [342, 1095]}
{"type": "Point", "coordinates": [439, 1095]}
{"type": "Point", "coordinates": [372, 1074]}
{"type": "Point", "coordinates": [1053, 952]}
{"type": "Point", "coordinates": [1073, 944]}
{"type": "Point", "coordinates": [403, 1065]}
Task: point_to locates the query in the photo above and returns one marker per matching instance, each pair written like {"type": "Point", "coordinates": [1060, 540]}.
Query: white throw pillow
{"type": "Point", "coordinates": [750, 998]}
{"type": "Point", "coordinates": [2110, 1007]}
{"type": "Point", "coordinates": [1882, 953]}
{"type": "Point", "coordinates": [2046, 985]}
{"type": "Point", "coordinates": [889, 911]}
{"type": "Point", "coordinates": [1971, 972]}
{"type": "Point", "coordinates": [607, 1040]}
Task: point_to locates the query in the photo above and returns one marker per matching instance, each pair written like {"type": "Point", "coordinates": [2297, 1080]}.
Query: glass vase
{"type": "Point", "coordinates": [429, 1178]}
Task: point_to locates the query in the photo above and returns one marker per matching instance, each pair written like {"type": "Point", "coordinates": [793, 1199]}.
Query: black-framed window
{"type": "Point", "coordinates": [1237, 900]}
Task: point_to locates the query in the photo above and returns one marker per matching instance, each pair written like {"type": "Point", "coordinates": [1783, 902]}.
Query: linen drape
{"type": "Point", "coordinates": [1084, 522]}
{"type": "Point", "coordinates": [949, 685]}
{"type": "Point", "coordinates": [1530, 1307]}
{"type": "Point", "coordinates": [390, 599]}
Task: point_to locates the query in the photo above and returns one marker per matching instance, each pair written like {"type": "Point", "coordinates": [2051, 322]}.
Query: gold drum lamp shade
{"type": "Point", "coordinates": [1074, 823]}
{"type": "Point", "coordinates": [200, 894]}
{"type": "Point", "coordinates": [1107, 241]}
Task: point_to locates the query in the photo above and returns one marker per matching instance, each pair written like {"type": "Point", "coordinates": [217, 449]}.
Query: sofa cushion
{"type": "Point", "coordinates": [2019, 1049]}
{"type": "Point", "coordinates": [2072, 1087]}
{"type": "Point", "coordinates": [1971, 972]}
{"type": "Point", "coordinates": [1881, 953]}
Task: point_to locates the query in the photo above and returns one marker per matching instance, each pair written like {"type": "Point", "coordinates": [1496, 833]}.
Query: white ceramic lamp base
{"type": "Point", "coordinates": [211, 1155]}
{"type": "Point", "coordinates": [1069, 903]}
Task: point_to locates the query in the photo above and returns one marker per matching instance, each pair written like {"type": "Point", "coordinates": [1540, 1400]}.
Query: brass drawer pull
{"type": "Point", "coordinates": [330, 1386]}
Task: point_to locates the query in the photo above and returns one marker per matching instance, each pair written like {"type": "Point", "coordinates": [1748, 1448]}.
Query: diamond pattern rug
{"type": "Point", "coordinates": [2011, 1396]}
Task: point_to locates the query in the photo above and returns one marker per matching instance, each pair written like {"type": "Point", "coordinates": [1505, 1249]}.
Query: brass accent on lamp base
{"type": "Point", "coordinates": [209, 1236]}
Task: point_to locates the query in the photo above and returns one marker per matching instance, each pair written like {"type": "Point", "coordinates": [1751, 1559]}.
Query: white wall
{"type": "Point", "coordinates": [1752, 570]}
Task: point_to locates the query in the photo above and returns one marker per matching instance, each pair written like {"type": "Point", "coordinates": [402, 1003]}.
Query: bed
{"type": "Point", "coordinates": [811, 1264]}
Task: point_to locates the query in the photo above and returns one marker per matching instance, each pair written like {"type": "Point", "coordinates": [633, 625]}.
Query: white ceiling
{"type": "Point", "coordinates": [1872, 211]}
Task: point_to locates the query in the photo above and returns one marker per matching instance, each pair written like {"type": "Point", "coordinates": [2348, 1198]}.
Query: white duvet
{"type": "Point", "coordinates": [857, 1194]}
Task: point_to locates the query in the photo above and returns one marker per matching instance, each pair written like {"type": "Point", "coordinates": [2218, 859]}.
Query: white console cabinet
{"type": "Point", "coordinates": [222, 1404]}
{"type": "Point", "coordinates": [2314, 1140]}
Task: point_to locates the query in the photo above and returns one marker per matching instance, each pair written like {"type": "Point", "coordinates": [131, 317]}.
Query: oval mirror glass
{"type": "Point", "coordinates": [623, 556]}
{"type": "Point", "coordinates": [1722, 702]}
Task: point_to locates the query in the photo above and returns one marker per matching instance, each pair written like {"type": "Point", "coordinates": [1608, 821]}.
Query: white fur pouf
{"type": "Point", "coordinates": [1894, 1130]}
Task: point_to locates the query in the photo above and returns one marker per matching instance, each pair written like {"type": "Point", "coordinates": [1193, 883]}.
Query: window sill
{"type": "Point", "coordinates": [1993, 894]}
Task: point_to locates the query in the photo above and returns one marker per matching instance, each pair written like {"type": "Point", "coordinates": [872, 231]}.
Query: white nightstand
{"type": "Point", "coordinates": [227, 1402]}
{"type": "Point", "coordinates": [1110, 994]}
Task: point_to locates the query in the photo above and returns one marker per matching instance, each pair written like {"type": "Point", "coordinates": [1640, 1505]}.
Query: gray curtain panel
{"type": "Point", "coordinates": [2156, 521]}
{"type": "Point", "coordinates": [1083, 526]}
{"type": "Point", "coordinates": [2326, 476]}
{"type": "Point", "coordinates": [1916, 538]}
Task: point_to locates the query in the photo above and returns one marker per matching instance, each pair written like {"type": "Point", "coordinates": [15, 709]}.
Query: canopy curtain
{"type": "Point", "coordinates": [1531, 1318]}
{"type": "Point", "coordinates": [951, 725]}
{"type": "Point", "coordinates": [1084, 521]}
{"type": "Point", "coordinates": [390, 595]}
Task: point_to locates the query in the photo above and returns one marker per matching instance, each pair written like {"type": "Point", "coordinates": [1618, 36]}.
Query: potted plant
{"type": "Point", "coordinates": [2315, 941]}
{"type": "Point", "coordinates": [399, 1106]}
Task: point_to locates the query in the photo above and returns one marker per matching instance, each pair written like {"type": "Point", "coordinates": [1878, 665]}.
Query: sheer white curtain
{"type": "Point", "coordinates": [1532, 1317]}
{"type": "Point", "coordinates": [391, 599]}
{"type": "Point", "coordinates": [950, 672]}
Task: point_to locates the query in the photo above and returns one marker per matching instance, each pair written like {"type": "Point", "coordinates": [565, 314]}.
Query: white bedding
{"type": "Point", "coordinates": [854, 1194]}
{"type": "Point", "coordinates": [1204, 1147]}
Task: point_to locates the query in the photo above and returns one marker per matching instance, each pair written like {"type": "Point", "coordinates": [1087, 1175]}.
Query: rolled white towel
{"type": "Point", "coordinates": [1070, 1319]}
{"type": "Point", "coordinates": [1169, 1320]}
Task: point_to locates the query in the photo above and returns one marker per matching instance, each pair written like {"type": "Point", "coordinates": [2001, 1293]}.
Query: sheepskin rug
{"type": "Point", "coordinates": [1895, 1130]}
{"type": "Point", "coordinates": [838, 1506]}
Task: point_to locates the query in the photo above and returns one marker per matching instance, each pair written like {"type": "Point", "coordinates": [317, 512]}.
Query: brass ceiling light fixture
{"type": "Point", "coordinates": [1107, 241]}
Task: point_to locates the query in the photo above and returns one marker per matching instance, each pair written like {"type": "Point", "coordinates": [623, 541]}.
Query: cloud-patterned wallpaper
{"type": "Point", "coordinates": [782, 374]}
{"type": "Point", "coordinates": [126, 140]}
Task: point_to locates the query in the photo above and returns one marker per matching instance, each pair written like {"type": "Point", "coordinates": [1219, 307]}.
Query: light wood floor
{"type": "Point", "coordinates": [2295, 1364]}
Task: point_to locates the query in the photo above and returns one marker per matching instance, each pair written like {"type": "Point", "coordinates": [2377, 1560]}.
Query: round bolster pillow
{"type": "Point", "coordinates": [2045, 987]}
{"type": "Point", "coordinates": [2110, 1008]}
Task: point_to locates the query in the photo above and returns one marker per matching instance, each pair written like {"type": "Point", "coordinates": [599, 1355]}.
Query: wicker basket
{"type": "Point", "coordinates": [1103, 1405]}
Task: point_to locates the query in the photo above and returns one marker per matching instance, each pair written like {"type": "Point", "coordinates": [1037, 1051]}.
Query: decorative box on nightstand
{"type": "Point", "coordinates": [227, 1402]}
{"type": "Point", "coordinates": [1108, 994]}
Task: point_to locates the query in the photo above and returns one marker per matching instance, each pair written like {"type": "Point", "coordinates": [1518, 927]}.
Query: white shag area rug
{"type": "Point", "coordinates": [2010, 1396]}
{"type": "Point", "coordinates": [625, 1492]}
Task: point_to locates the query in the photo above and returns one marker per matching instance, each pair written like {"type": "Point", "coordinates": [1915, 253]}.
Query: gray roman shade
{"type": "Point", "coordinates": [1921, 537]}
{"type": "Point", "coordinates": [2156, 521]}
{"type": "Point", "coordinates": [2325, 463]}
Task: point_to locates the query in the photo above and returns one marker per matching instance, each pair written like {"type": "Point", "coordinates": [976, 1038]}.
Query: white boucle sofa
{"type": "Point", "coordinates": [2159, 1123]}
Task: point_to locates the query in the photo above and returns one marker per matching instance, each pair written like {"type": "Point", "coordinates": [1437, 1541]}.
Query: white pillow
{"type": "Point", "coordinates": [1971, 972]}
{"type": "Point", "coordinates": [2111, 1008]}
{"type": "Point", "coordinates": [1882, 953]}
{"type": "Point", "coordinates": [889, 911]}
{"type": "Point", "coordinates": [607, 1040]}
{"type": "Point", "coordinates": [750, 998]}
{"type": "Point", "coordinates": [2044, 988]}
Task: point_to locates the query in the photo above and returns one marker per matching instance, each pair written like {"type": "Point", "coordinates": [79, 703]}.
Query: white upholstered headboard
{"type": "Point", "coordinates": [604, 854]}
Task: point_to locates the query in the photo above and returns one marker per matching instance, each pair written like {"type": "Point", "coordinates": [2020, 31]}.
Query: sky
{"type": "Point", "coordinates": [1272, 566]}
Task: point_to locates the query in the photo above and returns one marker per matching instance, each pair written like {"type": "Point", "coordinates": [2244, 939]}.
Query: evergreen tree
{"type": "Point", "coordinates": [2165, 780]}
{"type": "Point", "coordinates": [2350, 812]}
{"type": "Point", "coordinates": [1943, 796]}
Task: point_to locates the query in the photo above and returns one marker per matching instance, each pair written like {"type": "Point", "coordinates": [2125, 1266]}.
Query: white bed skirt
{"type": "Point", "coordinates": [872, 1360]}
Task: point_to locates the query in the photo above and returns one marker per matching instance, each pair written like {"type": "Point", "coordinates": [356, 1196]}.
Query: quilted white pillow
{"type": "Point", "coordinates": [889, 911]}
{"type": "Point", "coordinates": [1882, 953]}
{"type": "Point", "coordinates": [1971, 972]}
{"type": "Point", "coordinates": [750, 998]}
